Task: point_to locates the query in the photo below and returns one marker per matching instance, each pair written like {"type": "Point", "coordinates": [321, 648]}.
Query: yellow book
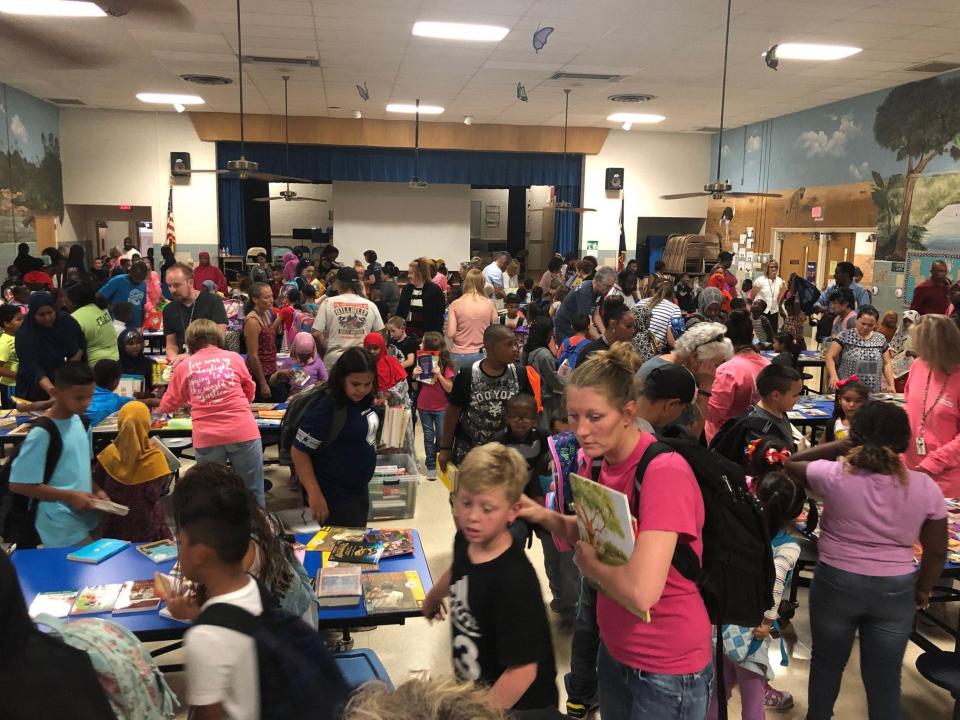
{"type": "Point", "coordinates": [448, 478]}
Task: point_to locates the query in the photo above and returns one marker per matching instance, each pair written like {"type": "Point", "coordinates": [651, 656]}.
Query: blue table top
{"type": "Point", "coordinates": [823, 406]}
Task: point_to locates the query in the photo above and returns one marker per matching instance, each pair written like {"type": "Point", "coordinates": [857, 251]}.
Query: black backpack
{"type": "Point", "coordinates": [18, 513]}
{"type": "Point", "coordinates": [296, 408]}
{"type": "Point", "coordinates": [732, 439]}
{"type": "Point", "coordinates": [299, 679]}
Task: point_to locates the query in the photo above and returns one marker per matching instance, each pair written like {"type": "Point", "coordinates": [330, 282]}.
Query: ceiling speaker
{"type": "Point", "coordinates": [615, 178]}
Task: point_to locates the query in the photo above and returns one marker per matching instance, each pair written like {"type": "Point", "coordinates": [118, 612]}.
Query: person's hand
{"type": "Point", "coordinates": [434, 608]}
{"type": "Point", "coordinates": [80, 501]}
{"type": "Point", "coordinates": [178, 359]}
{"type": "Point", "coordinates": [318, 506]}
{"type": "Point", "coordinates": [265, 389]}
{"type": "Point", "coordinates": [762, 631]}
{"type": "Point", "coordinates": [531, 511]}
{"type": "Point", "coordinates": [443, 458]}
{"type": "Point", "coordinates": [283, 374]}
{"type": "Point", "coordinates": [832, 383]}
{"type": "Point", "coordinates": [99, 493]}
{"type": "Point", "coordinates": [922, 598]}
{"type": "Point", "coordinates": [585, 557]}
{"type": "Point", "coordinates": [436, 370]}
{"type": "Point", "coordinates": [183, 606]}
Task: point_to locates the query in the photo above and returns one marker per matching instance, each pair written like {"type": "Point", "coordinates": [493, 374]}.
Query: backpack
{"type": "Point", "coordinates": [732, 439]}
{"type": "Point", "coordinates": [298, 676]}
{"type": "Point", "coordinates": [565, 454]}
{"type": "Point", "coordinates": [128, 674]}
{"type": "Point", "coordinates": [806, 292]}
{"type": "Point", "coordinates": [296, 408]}
{"type": "Point", "coordinates": [18, 513]}
{"type": "Point", "coordinates": [571, 353]}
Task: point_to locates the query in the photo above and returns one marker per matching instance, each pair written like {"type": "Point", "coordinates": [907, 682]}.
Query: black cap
{"type": "Point", "coordinates": [726, 255]}
{"type": "Point", "coordinates": [347, 274]}
{"type": "Point", "coordinates": [673, 382]}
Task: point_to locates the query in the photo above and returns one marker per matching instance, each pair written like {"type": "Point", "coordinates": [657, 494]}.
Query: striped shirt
{"type": "Point", "coordinates": [661, 315]}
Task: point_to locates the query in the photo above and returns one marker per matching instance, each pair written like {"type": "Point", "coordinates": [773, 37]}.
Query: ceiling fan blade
{"type": "Point", "coordinates": [267, 199]}
{"type": "Point", "coordinates": [753, 194]}
{"type": "Point", "coordinates": [193, 171]}
{"type": "Point", "coordinates": [170, 12]}
{"type": "Point", "coordinates": [549, 208]}
{"type": "Point", "coordinates": [307, 199]}
{"type": "Point", "coordinates": [270, 177]}
{"type": "Point", "coordinates": [49, 49]}
{"type": "Point", "coordinates": [683, 196]}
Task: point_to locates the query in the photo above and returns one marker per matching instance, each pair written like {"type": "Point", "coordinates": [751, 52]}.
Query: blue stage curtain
{"type": "Point", "coordinates": [322, 163]}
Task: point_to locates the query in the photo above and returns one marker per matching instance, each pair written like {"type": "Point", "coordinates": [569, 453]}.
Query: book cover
{"type": "Point", "coordinates": [173, 462]}
{"type": "Point", "coordinates": [426, 359]}
{"type": "Point", "coordinates": [56, 603]}
{"type": "Point", "coordinates": [130, 385]}
{"type": "Point", "coordinates": [449, 476]}
{"type": "Point", "coordinates": [160, 551]}
{"type": "Point", "coordinates": [396, 541]}
{"type": "Point", "coordinates": [271, 414]}
{"type": "Point", "coordinates": [137, 596]}
{"type": "Point", "coordinates": [257, 407]}
{"type": "Point", "coordinates": [392, 592]}
{"type": "Point", "coordinates": [365, 552]}
{"type": "Point", "coordinates": [96, 599]}
{"type": "Point", "coordinates": [110, 507]}
{"type": "Point", "coordinates": [326, 536]}
{"type": "Point", "coordinates": [604, 519]}
{"type": "Point", "coordinates": [339, 586]}
{"type": "Point", "coordinates": [327, 562]}
{"type": "Point", "coordinates": [98, 551]}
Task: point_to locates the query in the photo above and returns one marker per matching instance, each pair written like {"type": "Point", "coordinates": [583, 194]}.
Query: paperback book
{"type": "Point", "coordinates": [160, 551]}
{"type": "Point", "coordinates": [110, 507]}
{"type": "Point", "coordinates": [396, 541]}
{"type": "Point", "coordinates": [393, 592]}
{"type": "Point", "coordinates": [96, 599]}
{"type": "Point", "coordinates": [137, 596]}
{"type": "Point", "coordinates": [339, 586]}
{"type": "Point", "coordinates": [328, 535]}
{"type": "Point", "coordinates": [426, 359]}
{"type": "Point", "coordinates": [56, 603]}
{"type": "Point", "coordinates": [98, 551]}
{"type": "Point", "coordinates": [364, 552]}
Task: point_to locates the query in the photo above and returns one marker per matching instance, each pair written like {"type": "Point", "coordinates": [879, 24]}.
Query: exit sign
{"type": "Point", "coordinates": [124, 207]}
{"type": "Point", "coordinates": [817, 212]}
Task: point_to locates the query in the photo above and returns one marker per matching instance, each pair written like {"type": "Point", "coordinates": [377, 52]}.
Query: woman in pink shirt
{"type": "Point", "coordinates": [467, 318]}
{"type": "Point", "coordinates": [217, 386]}
{"type": "Point", "coordinates": [932, 397]}
{"type": "Point", "coordinates": [659, 666]}
{"type": "Point", "coordinates": [734, 387]}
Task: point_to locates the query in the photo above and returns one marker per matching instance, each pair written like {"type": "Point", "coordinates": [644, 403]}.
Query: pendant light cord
{"type": "Point", "coordinates": [723, 88]}
{"type": "Point", "coordinates": [240, 71]}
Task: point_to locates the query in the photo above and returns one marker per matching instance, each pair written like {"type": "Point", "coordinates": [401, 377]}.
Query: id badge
{"type": "Point", "coordinates": [921, 446]}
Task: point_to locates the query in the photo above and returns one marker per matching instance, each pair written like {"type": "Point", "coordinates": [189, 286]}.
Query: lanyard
{"type": "Point", "coordinates": [924, 410]}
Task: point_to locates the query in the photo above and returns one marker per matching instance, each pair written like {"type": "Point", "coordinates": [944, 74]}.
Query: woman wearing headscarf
{"type": "Point", "coordinates": [709, 305]}
{"type": "Point", "coordinates": [390, 373]}
{"type": "Point", "coordinates": [537, 354]}
{"type": "Point", "coordinates": [290, 262]}
{"type": "Point", "coordinates": [135, 473]}
{"type": "Point", "coordinates": [76, 260]}
{"type": "Point", "coordinates": [304, 367]}
{"type": "Point", "coordinates": [130, 345]}
{"type": "Point", "coordinates": [25, 261]}
{"type": "Point", "coordinates": [48, 338]}
{"type": "Point", "coordinates": [644, 343]}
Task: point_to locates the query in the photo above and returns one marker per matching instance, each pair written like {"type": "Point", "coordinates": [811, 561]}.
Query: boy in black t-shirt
{"type": "Point", "coordinates": [500, 634]}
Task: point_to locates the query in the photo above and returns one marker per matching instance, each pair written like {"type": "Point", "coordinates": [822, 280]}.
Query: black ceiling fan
{"type": "Point", "coordinates": [563, 205]}
{"type": "Point", "coordinates": [719, 190]}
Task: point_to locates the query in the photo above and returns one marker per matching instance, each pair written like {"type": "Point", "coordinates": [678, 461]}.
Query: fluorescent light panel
{"type": "Point", "coordinates": [808, 51]}
{"type": "Point", "coordinates": [51, 8]}
{"type": "Point", "coordinates": [460, 31]}
{"type": "Point", "coordinates": [639, 118]}
{"type": "Point", "coordinates": [411, 109]}
{"type": "Point", "coordinates": [169, 99]}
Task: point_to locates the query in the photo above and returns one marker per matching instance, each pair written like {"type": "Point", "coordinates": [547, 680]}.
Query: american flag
{"type": "Point", "coordinates": [171, 232]}
{"type": "Point", "coordinates": [622, 253]}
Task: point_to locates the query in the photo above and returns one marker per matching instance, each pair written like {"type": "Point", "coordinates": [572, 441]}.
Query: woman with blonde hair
{"type": "Point", "coordinates": [511, 276]}
{"type": "Point", "coordinates": [421, 302]}
{"type": "Point", "coordinates": [663, 310]}
{"type": "Point", "coordinates": [932, 396]}
{"type": "Point", "coordinates": [440, 699]}
{"type": "Point", "coordinates": [469, 316]}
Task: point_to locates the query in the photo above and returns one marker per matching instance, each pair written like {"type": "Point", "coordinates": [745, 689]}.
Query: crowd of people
{"type": "Point", "coordinates": [579, 371]}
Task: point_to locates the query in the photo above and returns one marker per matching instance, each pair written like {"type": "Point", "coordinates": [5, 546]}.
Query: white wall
{"type": "Point", "coordinates": [654, 164]}
{"type": "Point", "coordinates": [284, 216]}
{"type": "Point", "coordinates": [400, 222]}
{"type": "Point", "coordinates": [499, 198]}
{"type": "Point", "coordinates": [114, 157]}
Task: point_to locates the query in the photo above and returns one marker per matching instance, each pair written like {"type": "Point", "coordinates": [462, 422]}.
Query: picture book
{"type": "Point", "coordinates": [604, 519]}
{"type": "Point", "coordinates": [339, 586]}
{"type": "Point", "coordinates": [173, 462]}
{"type": "Point", "coordinates": [271, 414]}
{"type": "Point", "coordinates": [130, 385]}
{"type": "Point", "coordinates": [8, 421]}
{"type": "Point", "coordinates": [160, 551]}
{"type": "Point", "coordinates": [137, 596]}
{"type": "Point", "coordinates": [179, 424]}
{"type": "Point", "coordinates": [364, 552]}
{"type": "Point", "coordinates": [96, 599]}
{"type": "Point", "coordinates": [98, 551]}
{"type": "Point", "coordinates": [393, 592]}
{"type": "Point", "coordinates": [448, 477]}
{"type": "Point", "coordinates": [108, 506]}
{"type": "Point", "coordinates": [56, 603]}
{"type": "Point", "coordinates": [326, 536]}
{"type": "Point", "coordinates": [396, 541]}
{"type": "Point", "coordinates": [257, 407]}
{"type": "Point", "coordinates": [327, 562]}
{"type": "Point", "coordinates": [426, 359]}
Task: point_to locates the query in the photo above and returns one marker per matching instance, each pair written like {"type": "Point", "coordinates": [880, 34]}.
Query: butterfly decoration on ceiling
{"type": "Point", "coordinates": [540, 37]}
{"type": "Point", "coordinates": [363, 92]}
{"type": "Point", "coordinates": [522, 93]}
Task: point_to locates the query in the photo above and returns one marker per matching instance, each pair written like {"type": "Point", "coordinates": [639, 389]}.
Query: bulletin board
{"type": "Point", "coordinates": [917, 269]}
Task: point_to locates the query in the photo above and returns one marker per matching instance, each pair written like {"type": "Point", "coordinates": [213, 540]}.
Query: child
{"type": "Point", "coordinates": [304, 367]}
{"type": "Point", "coordinates": [406, 344]}
{"type": "Point", "coordinates": [134, 362]}
{"type": "Point", "coordinates": [851, 396]}
{"type": "Point", "coordinates": [432, 399]}
{"type": "Point", "coordinates": [277, 282]}
{"type": "Point", "coordinates": [514, 318]}
{"type": "Point", "coordinates": [522, 435]}
{"type": "Point", "coordinates": [570, 348]}
{"type": "Point", "coordinates": [787, 349]}
{"type": "Point", "coordinates": [779, 387]}
{"type": "Point", "coordinates": [309, 293]}
{"type": "Point", "coordinates": [795, 321]}
{"type": "Point", "coordinates": [501, 637]}
{"type": "Point", "coordinates": [527, 294]}
{"type": "Point", "coordinates": [122, 317]}
{"type": "Point", "coordinates": [105, 400]}
{"type": "Point", "coordinates": [11, 319]}
{"type": "Point", "coordinates": [782, 500]}
{"type": "Point", "coordinates": [762, 329]}
{"type": "Point", "coordinates": [65, 513]}
{"type": "Point", "coordinates": [21, 297]}
{"type": "Point", "coordinates": [558, 297]}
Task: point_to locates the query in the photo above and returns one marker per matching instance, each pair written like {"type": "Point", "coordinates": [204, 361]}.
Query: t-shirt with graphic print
{"type": "Point", "coordinates": [345, 320]}
{"type": "Point", "coordinates": [862, 357]}
{"type": "Point", "coordinates": [482, 399]}
{"type": "Point", "coordinates": [498, 621]}
{"type": "Point", "coordinates": [120, 289]}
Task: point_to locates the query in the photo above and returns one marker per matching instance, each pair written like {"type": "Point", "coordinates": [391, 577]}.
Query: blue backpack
{"type": "Point", "coordinates": [571, 353]}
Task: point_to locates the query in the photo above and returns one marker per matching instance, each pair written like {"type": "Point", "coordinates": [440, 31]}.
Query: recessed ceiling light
{"type": "Point", "coordinates": [807, 51]}
{"type": "Point", "coordinates": [51, 8]}
{"type": "Point", "coordinates": [411, 109]}
{"type": "Point", "coordinates": [640, 118]}
{"type": "Point", "coordinates": [460, 31]}
{"type": "Point", "coordinates": [170, 99]}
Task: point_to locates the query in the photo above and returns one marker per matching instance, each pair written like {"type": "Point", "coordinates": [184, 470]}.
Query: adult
{"type": "Point", "coordinates": [619, 326]}
{"type": "Point", "coordinates": [709, 307]}
{"type": "Point", "coordinates": [933, 294]}
{"type": "Point", "coordinates": [551, 273]}
{"type": "Point", "coordinates": [55, 265]}
{"type": "Point", "coordinates": [875, 510]}
{"type": "Point", "coordinates": [95, 322]}
{"type": "Point", "coordinates": [722, 279]}
{"type": "Point", "coordinates": [290, 262]}
{"type": "Point", "coordinates": [686, 293]}
{"type": "Point", "coordinates": [537, 354]}
{"type": "Point", "coordinates": [585, 299]}
{"type": "Point", "coordinates": [421, 302]}
{"type": "Point", "coordinates": [438, 276]}
{"type": "Point", "coordinates": [861, 352]}
{"type": "Point", "coordinates": [25, 261]}
{"type": "Point", "coordinates": [469, 316]}
{"type": "Point", "coordinates": [932, 396]}
{"type": "Point", "coordinates": [217, 386]}
{"type": "Point", "coordinates": [130, 250]}
{"type": "Point", "coordinates": [493, 273]}
{"type": "Point", "coordinates": [901, 337]}
{"type": "Point", "coordinates": [75, 260]}
{"type": "Point", "coordinates": [328, 260]}
{"type": "Point", "coordinates": [48, 338]}
{"type": "Point", "coordinates": [344, 320]}
{"type": "Point", "coordinates": [770, 288]}
{"type": "Point", "coordinates": [205, 271]}
{"type": "Point", "coordinates": [389, 291]}
{"type": "Point", "coordinates": [169, 260]}
{"type": "Point", "coordinates": [306, 273]}
{"type": "Point", "coordinates": [100, 271]}
{"type": "Point", "coordinates": [626, 287]}
{"type": "Point", "coordinates": [261, 272]}
{"type": "Point", "coordinates": [130, 288]}
{"type": "Point", "coordinates": [260, 335]}
{"type": "Point", "coordinates": [188, 304]}
{"type": "Point", "coordinates": [663, 311]}
{"type": "Point", "coordinates": [843, 278]}
{"type": "Point", "coordinates": [734, 387]}
{"type": "Point", "coordinates": [511, 277]}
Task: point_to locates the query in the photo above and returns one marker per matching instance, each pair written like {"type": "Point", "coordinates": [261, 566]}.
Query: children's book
{"type": "Point", "coordinates": [173, 462]}
{"type": "Point", "coordinates": [392, 592]}
{"type": "Point", "coordinates": [137, 596]}
{"type": "Point", "coordinates": [108, 506]}
{"type": "Point", "coordinates": [130, 385]}
{"type": "Point", "coordinates": [426, 359]}
{"type": "Point", "coordinates": [160, 551]}
{"type": "Point", "coordinates": [448, 477]}
{"type": "Point", "coordinates": [396, 541]}
{"type": "Point", "coordinates": [8, 421]}
{"type": "Point", "coordinates": [56, 603]}
{"type": "Point", "coordinates": [365, 552]}
{"type": "Point", "coordinates": [327, 562]}
{"type": "Point", "coordinates": [179, 424]}
{"type": "Point", "coordinates": [339, 586]}
{"type": "Point", "coordinates": [257, 407]}
{"type": "Point", "coordinates": [96, 599]}
{"type": "Point", "coordinates": [98, 551]}
{"type": "Point", "coordinates": [330, 534]}
{"type": "Point", "coordinates": [271, 414]}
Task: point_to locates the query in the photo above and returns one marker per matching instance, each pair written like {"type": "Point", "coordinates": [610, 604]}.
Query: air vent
{"type": "Point", "coordinates": [933, 67]}
{"type": "Point", "coordinates": [631, 98]}
{"type": "Point", "coordinates": [266, 60]}
{"type": "Point", "coordinates": [207, 79]}
{"type": "Point", "coordinates": [585, 76]}
{"type": "Point", "coordinates": [707, 129]}
{"type": "Point", "coordinates": [66, 101]}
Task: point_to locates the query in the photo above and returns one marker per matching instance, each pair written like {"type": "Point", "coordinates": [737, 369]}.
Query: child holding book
{"type": "Point", "coordinates": [851, 396]}
{"type": "Point", "coordinates": [500, 633]}
{"type": "Point", "coordinates": [304, 367]}
{"type": "Point", "coordinates": [11, 319]}
{"type": "Point", "coordinates": [432, 399]}
{"type": "Point", "coordinates": [106, 401]}
{"type": "Point", "coordinates": [513, 318]}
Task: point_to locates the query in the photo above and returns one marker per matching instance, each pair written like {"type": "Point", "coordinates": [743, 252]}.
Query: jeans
{"type": "Point", "coordinates": [349, 511]}
{"type": "Point", "coordinates": [462, 360]}
{"type": "Point", "coordinates": [774, 319]}
{"type": "Point", "coordinates": [246, 459]}
{"type": "Point", "coordinates": [630, 694]}
{"type": "Point", "coordinates": [882, 609]}
{"type": "Point", "coordinates": [432, 422]}
{"type": "Point", "coordinates": [582, 681]}
{"type": "Point", "coordinates": [753, 691]}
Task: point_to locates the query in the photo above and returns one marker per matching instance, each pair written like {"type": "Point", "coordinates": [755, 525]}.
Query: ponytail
{"type": "Point", "coordinates": [877, 459]}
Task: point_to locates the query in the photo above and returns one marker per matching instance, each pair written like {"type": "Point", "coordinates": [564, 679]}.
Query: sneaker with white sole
{"type": "Point", "coordinates": [777, 700]}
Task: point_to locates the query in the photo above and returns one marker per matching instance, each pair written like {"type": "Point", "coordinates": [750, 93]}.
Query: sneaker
{"type": "Point", "coordinates": [577, 708]}
{"type": "Point", "coordinates": [431, 474]}
{"type": "Point", "coordinates": [777, 699]}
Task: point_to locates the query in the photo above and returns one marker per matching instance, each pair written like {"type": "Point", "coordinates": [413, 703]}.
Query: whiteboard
{"type": "Point", "coordinates": [401, 223]}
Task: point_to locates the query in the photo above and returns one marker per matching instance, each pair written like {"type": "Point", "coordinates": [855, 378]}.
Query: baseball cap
{"type": "Point", "coordinates": [673, 382]}
{"type": "Point", "coordinates": [204, 254]}
{"type": "Point", "coordinates": [347, 274]}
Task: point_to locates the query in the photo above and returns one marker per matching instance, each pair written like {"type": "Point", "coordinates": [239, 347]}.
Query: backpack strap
{"type": "Point", "coordinates": [55, 448]}
{"type": "Point", "coordinates": [236, 618]}
{"type": "Point", "coordinates": [337, 423]}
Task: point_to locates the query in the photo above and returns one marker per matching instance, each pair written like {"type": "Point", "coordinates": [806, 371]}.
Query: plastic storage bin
{"type": "Point", "coordinates": [361, 666]}
{"type": "Point", "coordinates": [394, 497]}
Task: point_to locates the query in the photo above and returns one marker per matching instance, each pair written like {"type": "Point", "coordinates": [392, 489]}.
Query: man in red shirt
{"type": "Point", "coordinates": [931, 296]}
{"type": "Point", "coordinates": [724, 280]}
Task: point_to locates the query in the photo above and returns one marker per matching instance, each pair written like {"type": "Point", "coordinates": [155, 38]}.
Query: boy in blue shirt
{"type": "Point", "coordinates": [65, 515]}
{"type": "Point", "coordinates": [131, 288]}
{"type": "Point", "coordinates": [105, 401]}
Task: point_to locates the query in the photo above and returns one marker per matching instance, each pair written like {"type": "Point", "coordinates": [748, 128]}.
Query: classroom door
{"type": "Point", "coordinates": [796, 250]}
{"type": "Point", "coordinates": [839, 249]}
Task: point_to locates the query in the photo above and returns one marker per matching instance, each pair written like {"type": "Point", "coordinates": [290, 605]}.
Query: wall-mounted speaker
{"type": "Point", "coordinates": [614, 178]}
{"type": "Point", "coordinates": [180, 164]}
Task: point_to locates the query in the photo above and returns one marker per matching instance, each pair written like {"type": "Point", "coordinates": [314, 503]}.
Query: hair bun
{"type": "Point", "coordinates": [623, 356]}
